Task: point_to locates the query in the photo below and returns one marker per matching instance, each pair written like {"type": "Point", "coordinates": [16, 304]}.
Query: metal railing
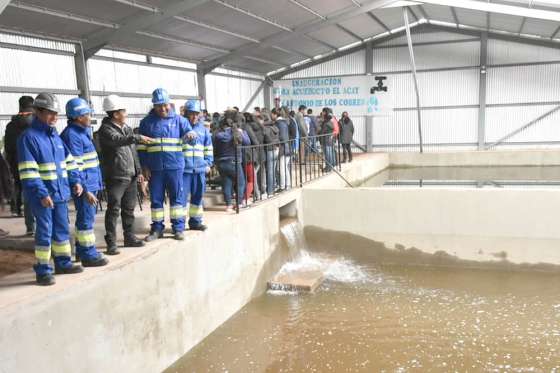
{"type": "Point", "coordinates": [270, 169]}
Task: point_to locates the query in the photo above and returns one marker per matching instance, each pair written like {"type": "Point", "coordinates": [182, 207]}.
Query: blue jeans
{"type": "Point", "coordinates": [271, 162]}
{"type": "Point", "coordinates": [227, 173]}
{"type": "Point", "coordinates": [328, 153]}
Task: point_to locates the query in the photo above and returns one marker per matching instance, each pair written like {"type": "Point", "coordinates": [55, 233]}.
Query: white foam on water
{"type": "Point", "coordinates": [338, 269]}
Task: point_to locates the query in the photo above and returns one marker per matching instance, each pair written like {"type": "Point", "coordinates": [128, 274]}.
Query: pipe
{"type": "Point", "coordinates": [414, 75]}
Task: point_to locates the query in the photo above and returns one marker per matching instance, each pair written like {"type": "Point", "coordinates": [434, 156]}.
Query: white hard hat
{"type": "Point", "coordinates": [112, 103]}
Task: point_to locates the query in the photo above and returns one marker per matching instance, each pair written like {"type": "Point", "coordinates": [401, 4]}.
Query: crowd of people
{"type": "Point", "coordinates": [172, 152]}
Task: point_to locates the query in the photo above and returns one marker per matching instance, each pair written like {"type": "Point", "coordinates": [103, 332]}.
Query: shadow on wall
{"type": "Point", "coordinates": [364, 250]}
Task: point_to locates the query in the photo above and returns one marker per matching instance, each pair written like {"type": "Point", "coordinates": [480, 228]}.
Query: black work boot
{"type": "Point", "coordinates": [45, 280]}
{"type": "Point", "coordinates": [153, 236]}
{"type": "Point", "coordinates": [97, 262]}
{"type": "Point", "coordinates": [112, 248]}
{"type": "Point", "coordinates": [200, 227]}
{"type": "Point", "coordinates": [133, 241]}
{"type": "Point", "coordinates": [74, 268]}
{"type": "Point", "coordinates": [179, 236]}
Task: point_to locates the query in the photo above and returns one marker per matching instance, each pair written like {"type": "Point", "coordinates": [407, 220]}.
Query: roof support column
{"type": "Point", "coordinates": [267, 93]}
{"type": "Point", "coordinates": [369, 118]}
{"type": "Point", "coordinates": [82, 75]}
{"type": "Point", "coordinates": [482, 91]}
{"type": "Point", "coordinates": [201, 84]}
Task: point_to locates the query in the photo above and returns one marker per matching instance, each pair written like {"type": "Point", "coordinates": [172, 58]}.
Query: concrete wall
{"type": "Point", "coordinates": [144, 314]}
{"type": "Point", "coordinates": [470, 223]}
{"type": "Point", "coordinates": [477, 158]}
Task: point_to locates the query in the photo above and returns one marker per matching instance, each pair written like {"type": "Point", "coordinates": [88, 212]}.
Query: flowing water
{"type": "Point", "coordinates": [371, 318]}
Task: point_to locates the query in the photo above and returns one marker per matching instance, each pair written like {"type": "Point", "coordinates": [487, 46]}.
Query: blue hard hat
{"type": "Point", "coordinates": [160, 96]}
{"type": "Point", "coordinates": [192, 106]}
{"type": "Point", "coordinates": [77, 107]}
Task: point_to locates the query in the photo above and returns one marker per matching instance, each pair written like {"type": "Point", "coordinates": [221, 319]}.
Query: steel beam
{"type": "Point", "coordinates": [455, 17]}
{"type": "Point", "coordinates": [254, 96]}
{"type": "Point", "coordinates": [56, 91]}
{"type": "Point", "coordinates": [215, 28]}
{"type": "Point", "coordinates": [424, 13]}
{"type": "Point", "coordinates": [181, 41]}
{"type": "Point", "coordinates": [475, 31]}
{"type": "Point", "coordinates": [302, 30]}
{"type": "Point", "coordinates": [482, 91]}
{"type": "Point", "coordinates": [3, 4]}
{"type": "Point", "coordinates": [332, 56]}
{"type": "Point", "coordinates": [414, 75]}
{"type": "Point", "coordinates": [379, 22]}
{"type": "Point", "coordinates": [82, 76]}
{"type": "Point", "coordinates": [345, 30]}
{"type": "Point", "coordinates": [131, 25]}
{"type": "Point", "coordinates": [253, 15]}
{"type": "Point", "coordinates": [511, 10]}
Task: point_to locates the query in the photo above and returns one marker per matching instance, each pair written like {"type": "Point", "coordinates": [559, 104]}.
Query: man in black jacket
{"type": "Point", "coordinates": [14, 129]}
{"type": "Point", "coordinates": [121, 171]}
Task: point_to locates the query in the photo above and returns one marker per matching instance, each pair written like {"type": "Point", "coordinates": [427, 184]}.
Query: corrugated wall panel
{"type": "Point", "coordinates": [20, 68]}
{"type": "Point", "coordinates": [38, 43]}
{"type": "Point", "coordinates": [133, 105]}
{"type": "Point", "coordinates": [427, 56]}
{"type": "Point", "coordinates": [438, 126]}
{"type": "Point", "coordinates": [223, 92]}
{"type": "Point", "coordinates": [351, 64]}
{"type": "Point", "coordinates": [123, 77]}
{"type": "Point", "coordinates": [523, 84]}
{"type": "Point", "coordinates": [507, 52]}
{"type": "Point", "coordinates": [359, 130]}
{"type": "Point", "coordinates": [501, 121]}
{"type": "Point", "coordinates": [437, 88]}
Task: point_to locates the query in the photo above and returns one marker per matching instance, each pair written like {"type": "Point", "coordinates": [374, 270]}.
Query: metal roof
{"type": "Point", "coordinates": [262, 35]}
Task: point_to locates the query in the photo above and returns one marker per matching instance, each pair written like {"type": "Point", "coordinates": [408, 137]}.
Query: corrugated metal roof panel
{"type": "Point", "coordinates": [440, 13]}
{"type": "Point", "coordinates": [363, 25]}
{"type": "Point", "coordinates": [353, 63]}
{"type": "Point", "coordinates": [332, 35]}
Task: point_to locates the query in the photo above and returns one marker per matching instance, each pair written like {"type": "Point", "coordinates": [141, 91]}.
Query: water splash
{"type": "Point", "coordinates": [338, 269]}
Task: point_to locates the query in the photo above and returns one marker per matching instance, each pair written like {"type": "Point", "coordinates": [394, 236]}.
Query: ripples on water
{"type": "Point", "coordinates": [366, 318]}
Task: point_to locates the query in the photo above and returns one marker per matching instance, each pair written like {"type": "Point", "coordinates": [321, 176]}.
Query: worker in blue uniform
{"type": "Point", "coordinates": [199, 157]}
{"type": "Point", "coordinates": [163, 163]}
{"type": "Point", "coordinates": [48, 172]}
{"type": "Point", "coordinates": [78, 138]}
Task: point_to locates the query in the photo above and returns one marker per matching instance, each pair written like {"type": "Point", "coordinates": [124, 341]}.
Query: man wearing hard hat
{"type": "Point", "coordinates": [78, 138]}
{"type": "Point", "coordinates": [122, 172]}
{"type": "Point", "coordinates": [199, 157]}
{"type": "Point", "coordinates": [47, 172]}
{"type": "Point", "coordinates": [163, 163]}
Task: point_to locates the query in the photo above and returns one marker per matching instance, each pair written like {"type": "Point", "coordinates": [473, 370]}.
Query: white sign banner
{"type": "Point", "coordinates": [358, 95]}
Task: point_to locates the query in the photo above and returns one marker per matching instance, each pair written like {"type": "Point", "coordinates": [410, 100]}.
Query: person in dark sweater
{"type": "Point", "coordinates": [225, 141]}
{"type": "Point", "coordinates": [346, 135]}
{"type": "Point", "coordinates": [121, 171]}
{"type": "Point", "coordinates": [14, 129]}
